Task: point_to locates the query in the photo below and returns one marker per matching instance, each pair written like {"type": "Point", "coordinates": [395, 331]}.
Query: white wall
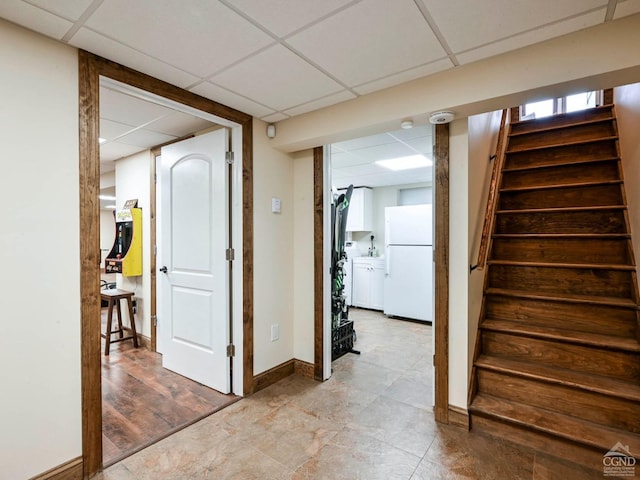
{"type": "Point", "coordinates": [627, 101]}
{"type": "Point", "coordinates": [273, 252]}
{"type": "Point", "coordinates": [107, 234]}
{"type": "Point", "coordinates": [40, 416]}
{"type": "Point", "coordinates": [458, 262]}
{"type": "Point", "coordinates": [303, 257]}
{"type": "Point", "coordinates": [133, 180]}
{"type": "Point", "coordinates": [483, 136]}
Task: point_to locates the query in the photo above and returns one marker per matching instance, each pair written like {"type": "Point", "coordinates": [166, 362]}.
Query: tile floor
{"type": "Point", "coordinates": [371, 420]}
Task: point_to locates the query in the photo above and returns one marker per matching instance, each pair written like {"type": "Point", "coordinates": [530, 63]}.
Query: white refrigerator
{"type": "Point", "coordinates": [408, 284]}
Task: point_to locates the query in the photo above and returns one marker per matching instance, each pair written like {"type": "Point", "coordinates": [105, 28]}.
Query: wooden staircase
{"type": "Point", "coordinates": [557, 362]}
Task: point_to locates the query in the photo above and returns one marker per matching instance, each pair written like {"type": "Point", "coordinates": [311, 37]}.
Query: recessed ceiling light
{"type": "Point", "coordinates": [405, 163]}
{"type": "Point", "coordinates": [107, 197]}
{"type": "Point", "coordinates": [101, 140]}
{"type": "Point", "coordinates": [112, 207]}
{"type": "Point", "coordinates": [406, 124]}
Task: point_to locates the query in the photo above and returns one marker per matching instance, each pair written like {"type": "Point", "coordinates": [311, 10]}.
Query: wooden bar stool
{"type": "Point", "coordinates": [113, 297]}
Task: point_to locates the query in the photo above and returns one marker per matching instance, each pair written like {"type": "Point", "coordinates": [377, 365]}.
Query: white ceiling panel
{"type": "Point", "coordinates": [466, 24]}
{"type": "Point", "coordinates": [370, 40]}
{"type": "Point", "coordinates": [100, 45]}
{"type": "Point", "coordinates": [145, 138]}
{"type": "Point", "coordinates": [627, 7]}
{"type": "Point", "coordinates": [282, 17]}
{"type": "Point", "coordinates": [70, 9]}
{"type": "Point", "coordinates": [275, 117]}
{"type": "Point", "coordinates": [284, 81]}
{"type": "Point", "coordinates": [34, 18]}
{"type": "Point", "coordinates": [110, 129]}
{"type": "Point", "coordinates": [364, 142]}
{"type": "Point", "coordinates": [385, 152]}
{"type": "Point", "coordinates": [224, 96]}
{"type": "Point", "coordinates": [114, 151]}
{"type": "Point", "coordinates": [423, 145]}
{"type": "Point", "coordinates": [178, 124]}
{"type": "Point", "coordinates": [125, 109]}
{"type": "Point", "coordinates": [424, 130]}
{"type": "Point", "coordinates": [194, 37]}
{"type": "Point", "coordinates": [406, 76]}
{"type": "Point", "coordinates": [534, 36]}
{"type": "Point", "coordinates": [321, 103]}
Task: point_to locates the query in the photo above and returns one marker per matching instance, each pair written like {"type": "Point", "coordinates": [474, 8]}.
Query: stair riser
{"type": "Point", "coordinates": [573, 281]}
{"type": "Point", "coordinates": [561, 120]}
{"type": "Point", "coordinates": [565, 154]}
{"type": "Point", "coordinates": [588, 318]}
{"type": "Point", "coordinates": [561, 175]}
{"type": "Point", "coordinates": [576, 133]}
{"type": "Point", "coordinates": [594, 221]}
{"type": "Point", "coordinates": [594, 407]}
{"type": "Point", "coordinates": [621, 365]}
{"type": "Point", "coordinates": [562, 197]}
{"type": "Point", "coordinates": [561, 250]}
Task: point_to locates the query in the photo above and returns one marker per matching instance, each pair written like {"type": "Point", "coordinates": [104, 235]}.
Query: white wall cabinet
{"type": "Point", "coordinates": [368, 283]}
{"type": "Point", "coordinates": [360, 218]}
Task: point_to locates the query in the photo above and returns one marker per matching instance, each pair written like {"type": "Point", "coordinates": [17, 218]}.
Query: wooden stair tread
{"type": "Point", "coordinates": [561, 376]}
{"type": "Point", "coordinates": [551, 127]}
{"type": "Point", "coordinates": [590, 266]}
{"type": "Point", "coordinates": [560, 186]}
{"type": "Point", "coordinates": [607, 138]}
{"type": "Point", "coordinates": [603, 236]}
{"type": "Point", "coordinates": [562, 335]}
{"type": "Point", "coordinates": [559, 164]}
{"type": "Point", "coordinates": [606, 106]}
{"type": "Point", "coordinates": [553, 423]}
{"type": "Point", "coordinates": [589, 299]}
{"type": "Point", "coordinates": [563, 209]}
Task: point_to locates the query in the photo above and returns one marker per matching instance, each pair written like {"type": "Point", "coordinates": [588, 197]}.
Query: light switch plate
{"type": "Point", "coordinates": [276, 205]}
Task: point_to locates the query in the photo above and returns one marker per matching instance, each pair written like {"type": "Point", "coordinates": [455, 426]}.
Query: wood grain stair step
{"type": "Point", "coordinates": [586, 299]}
{"type": "Point", "coordinates": [589, 266]}
{"type": "Point", "coordinates": [604, 236]}
{"type": "Point", "coordinates": [562, 335]}
{"type": "Point", "coordinates": [559, 164]}
{"type": "Point", "coordinates": [560, 186]}
{"type": "Point", "coordinates": [570, 378]}
{"type": "Point", "coordinates": [596, 208]}
{"type": "Point", "coordinates": [553, 423]}
{"type": "Point", "coordinates": [608, 138]}
{"type": "Point", "coordinates": [548, 127]}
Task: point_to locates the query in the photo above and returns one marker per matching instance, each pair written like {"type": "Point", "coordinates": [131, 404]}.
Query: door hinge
{"type": "Point", "coordinates": [230, 254]}
{"type": "Point", "coordinates": [154, 319]}
{"type": "Point", "coordinates": [231, 350]}
{"type": "Point", "coordinates": [155, 178]}
{"type": "Point", "coordinates": [229, 157]}
{"type": "Point", "coordinates": [155, 250]}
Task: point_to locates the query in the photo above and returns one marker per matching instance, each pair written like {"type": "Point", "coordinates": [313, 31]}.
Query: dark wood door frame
{"type": "Point", "coordinates": [441, 257]}
{"type": "Point", "coordinates": [91, 67]}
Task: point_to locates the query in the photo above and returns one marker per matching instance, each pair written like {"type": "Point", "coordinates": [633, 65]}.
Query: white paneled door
{"type": "Point", "coordinates": [194, 272]}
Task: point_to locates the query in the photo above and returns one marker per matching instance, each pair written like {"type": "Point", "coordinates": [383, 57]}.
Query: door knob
{"type": "Point", "coordinates": [163, 269]}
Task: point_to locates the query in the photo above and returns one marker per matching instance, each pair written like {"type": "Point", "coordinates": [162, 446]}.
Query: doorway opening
{"type": "Point", "coordinates": [394, 185]}
{"type": "Point", "coordinates": [91, 69]}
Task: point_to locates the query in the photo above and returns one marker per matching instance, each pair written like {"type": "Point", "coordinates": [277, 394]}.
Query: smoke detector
{"type": "Point", "coordinates": [441, 117]}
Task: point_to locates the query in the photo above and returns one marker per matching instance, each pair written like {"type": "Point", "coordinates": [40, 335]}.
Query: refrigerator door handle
{"type": "Point", "coordinates": [387, 261]}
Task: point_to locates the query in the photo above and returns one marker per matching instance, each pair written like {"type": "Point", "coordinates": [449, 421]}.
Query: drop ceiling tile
{"type": "Point", "coordinates": [226, 97]}
{"type": "Point", "coordinates": [627, 7]}
{"type": "Point", "coordinates": [145, 138]}
{"type": "Point", "coordinates": [113, 151]}
{"type": "Point", "coordinates": [384, 152]}
{"type": "Point", "coordinates": [282, 17]}
{"type": "Point", "coordinates": [275, 117]}
{"type": "Point", "coordinates": [417, 131]}
{"type": "Point", "coordinates": [531, 37]}
{"type": "Point", "coordinates": [100, 45]}
{"type": "Point", "coordinates": [110, 129]}
{"type": "Point", "coordinates": [423, 145]}
{"type": "Point", "coordinates": [365, 142]}
{"type": "Point", "coordinates": [193, 37]}
{"type": "Point", "coordinates": [34, 18]}
{"type": "Point", "coordinates": [179, 124]}
{"type": "Point", "coordinates": [370, 40]}
{"type": "Point", "coordinates": [70, 9]}
{"type": "Point", "coordinates": [278, 77]}
{"type": "Point", "coordinates": [126, 109]}
{"type": "Point", "coordinates": [406, 76]}
{"type": "Point", "coordinates": [466, 25]}
{"type": "Point", "coordinates": [321, 103]}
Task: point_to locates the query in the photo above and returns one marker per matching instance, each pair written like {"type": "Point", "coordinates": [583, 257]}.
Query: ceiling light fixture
{"type": "Point", "coordinates": [405, 163]}
{"type": "Point", "coordinates": [406, 124]}
{"type": "Point", "coordinates": [107, 197]}
{"type": "Point", "coordinates": [271, 130]}
{"type": "Point", "coordinates": [112, 207]}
